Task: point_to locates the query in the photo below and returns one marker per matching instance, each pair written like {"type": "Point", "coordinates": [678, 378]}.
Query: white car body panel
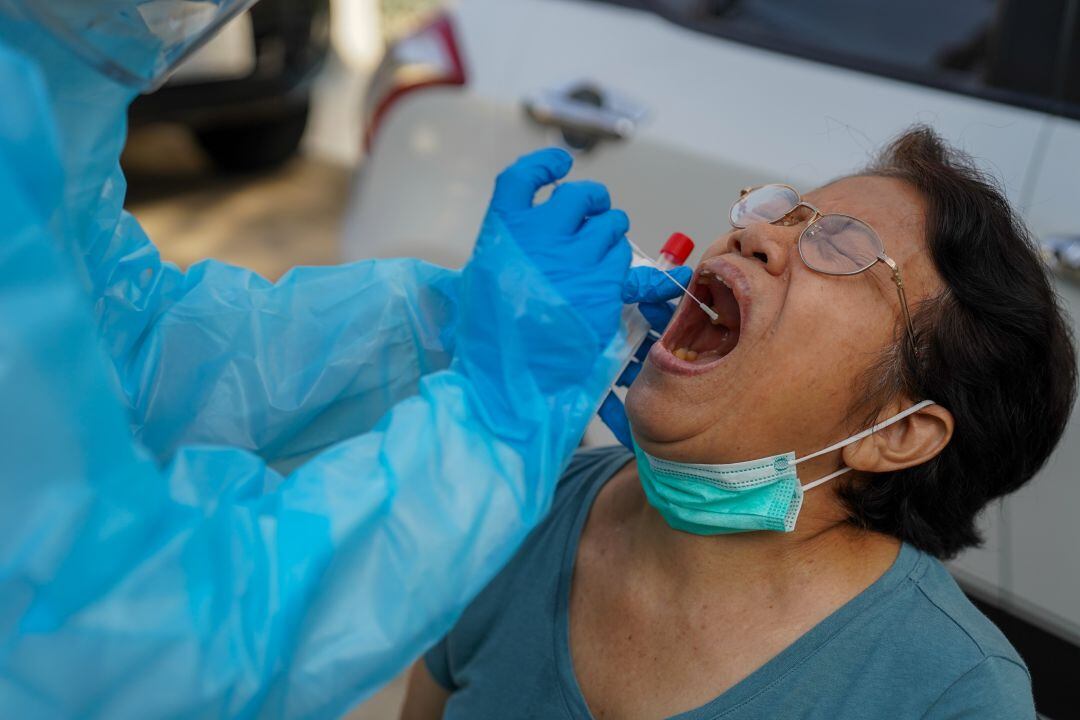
{"type": "Point", "coordinates": [229, 55]}
{"type": "Point", "coordinates": [425, 187]}
{"type": "Point", "coordinates": [1040, 567]}
{"type": "Point", "coordinates": [692, 154]}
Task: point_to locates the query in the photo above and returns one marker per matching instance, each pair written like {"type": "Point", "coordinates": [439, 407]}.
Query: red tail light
{"type": "Point", "coordinates": [426, 58]}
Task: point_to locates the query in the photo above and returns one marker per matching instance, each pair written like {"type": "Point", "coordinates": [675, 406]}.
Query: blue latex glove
{"type": "Point", "coordinates": [574, 238]}
{"type": "Point", "coordinates": [651, 289]}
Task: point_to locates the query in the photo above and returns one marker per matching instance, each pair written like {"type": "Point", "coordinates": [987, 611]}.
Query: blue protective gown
{"type": "Point", "coordinates": [223, 497]}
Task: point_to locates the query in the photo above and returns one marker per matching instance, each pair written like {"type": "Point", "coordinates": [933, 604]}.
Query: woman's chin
{"type": "Point", "coordinates": [652, 415]}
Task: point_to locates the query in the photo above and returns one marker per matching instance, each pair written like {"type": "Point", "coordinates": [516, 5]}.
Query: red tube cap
{"type": "Point", "coordinates": [679, 247]}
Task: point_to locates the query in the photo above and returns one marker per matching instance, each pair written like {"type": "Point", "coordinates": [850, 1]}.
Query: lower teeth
{"type": "Point", "coordinates": [686, 354]}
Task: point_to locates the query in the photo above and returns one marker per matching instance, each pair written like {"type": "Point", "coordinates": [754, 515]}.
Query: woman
{"type": "Point", "coordinates": [688, 582]}
{"type": "Point", "coordinates": [281, 492]}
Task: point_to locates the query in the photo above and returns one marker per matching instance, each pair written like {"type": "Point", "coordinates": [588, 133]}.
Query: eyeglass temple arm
{"type": "Point", "coordinates": [899, 280]}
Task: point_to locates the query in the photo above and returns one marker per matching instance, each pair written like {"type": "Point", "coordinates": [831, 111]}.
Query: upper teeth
{"type": "Point", "coordinates": [706, 275]}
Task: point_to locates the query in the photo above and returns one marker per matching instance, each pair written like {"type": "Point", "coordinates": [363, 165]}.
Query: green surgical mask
{"type": "Point", "coordinates": [763, 494]}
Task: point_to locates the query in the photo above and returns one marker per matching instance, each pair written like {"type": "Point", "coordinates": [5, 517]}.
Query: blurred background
{"type": "Point", "coordinates": [322, 131]}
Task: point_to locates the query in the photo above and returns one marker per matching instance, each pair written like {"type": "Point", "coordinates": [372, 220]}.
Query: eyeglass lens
{"type": "Point", "coordinates": [839, 245]}
{"type": "Point", "coordinates": [765, 204]}
{"type": "Point", "coordinates": [833, 244]}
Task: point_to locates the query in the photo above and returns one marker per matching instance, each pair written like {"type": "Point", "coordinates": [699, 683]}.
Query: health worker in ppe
{"type": "Point", "coordinates": [222, 497]}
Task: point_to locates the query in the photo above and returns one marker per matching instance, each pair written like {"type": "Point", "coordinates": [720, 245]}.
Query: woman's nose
{"type": "Point", "coordinates": [769, 244]}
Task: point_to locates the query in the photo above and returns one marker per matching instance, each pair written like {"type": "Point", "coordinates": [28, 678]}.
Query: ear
{"type": "Point", "coordinates": [912, 441]}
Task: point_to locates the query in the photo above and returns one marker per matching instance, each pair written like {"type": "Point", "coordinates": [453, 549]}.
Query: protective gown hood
{"type": "Point", "coordinates": [135, 42]}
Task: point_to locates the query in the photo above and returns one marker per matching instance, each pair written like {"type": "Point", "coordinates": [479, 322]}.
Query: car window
{"type": "Point", "coordinates": [1005, 50]}
{"type": "Point", "coordinates": [918, 34]}
{"type": "Point", "coordinates": [1071, 66]}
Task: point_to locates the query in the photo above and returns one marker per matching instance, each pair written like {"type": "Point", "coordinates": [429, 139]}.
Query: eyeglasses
{"type": "Point", "coordinates": [832, 243]}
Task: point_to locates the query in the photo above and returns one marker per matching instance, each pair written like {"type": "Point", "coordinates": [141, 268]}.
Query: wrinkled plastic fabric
{"type": "Point", "coordinates": [136, 42]}
{"type": "Point", "coordinates": [222, 497]}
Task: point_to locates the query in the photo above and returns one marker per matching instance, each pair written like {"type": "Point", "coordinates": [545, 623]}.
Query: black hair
{"type": "Point", "coordinates": [994, 348]}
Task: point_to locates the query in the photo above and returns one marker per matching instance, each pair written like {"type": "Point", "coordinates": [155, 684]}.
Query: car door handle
{"type": "Point", "coordinates": [585, 109]}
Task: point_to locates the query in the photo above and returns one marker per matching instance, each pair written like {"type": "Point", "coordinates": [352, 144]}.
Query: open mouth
{"type": "Point", "coordinates": [695, 338]}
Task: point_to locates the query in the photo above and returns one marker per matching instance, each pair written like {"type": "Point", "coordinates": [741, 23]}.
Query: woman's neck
{"type": "Point", "coordinates": [823, 556]}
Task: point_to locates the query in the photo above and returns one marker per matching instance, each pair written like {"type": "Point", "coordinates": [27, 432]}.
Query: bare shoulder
{"type": "Point", "coordinates": [425, 699]}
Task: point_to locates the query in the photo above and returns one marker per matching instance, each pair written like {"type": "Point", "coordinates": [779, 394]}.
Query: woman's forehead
{"type": "Point", "coordinates": [892, 207]}
{"type": "Point", "coordinates": [890, 199]}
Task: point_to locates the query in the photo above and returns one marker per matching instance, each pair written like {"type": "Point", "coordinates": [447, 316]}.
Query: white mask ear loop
{"type": "Point", "coordinates": [827, 478]}
{"type": "Point", "coordinates": [856, 438]}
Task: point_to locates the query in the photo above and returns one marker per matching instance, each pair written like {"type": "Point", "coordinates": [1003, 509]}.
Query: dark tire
{"type": "Point", "coordinates": [255, 147]}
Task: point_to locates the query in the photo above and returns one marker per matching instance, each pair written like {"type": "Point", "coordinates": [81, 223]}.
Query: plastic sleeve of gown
{"type": "Point", "coordinates": [219, 354]}
{"type": "Point", "coordinates": [212, 585]}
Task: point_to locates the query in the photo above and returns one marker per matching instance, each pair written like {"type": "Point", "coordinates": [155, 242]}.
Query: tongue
{"type": "Point", "coordinates": [703, 340]}
{"type": "Point", "coordinates": [724, 305]}
{"type": "Point", "coordinates": [718, 337]}
{"type": "Point", "coordinates": [711, 339]}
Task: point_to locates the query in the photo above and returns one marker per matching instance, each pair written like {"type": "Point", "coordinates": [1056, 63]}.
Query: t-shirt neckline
{"type": "Point", "coordinates": [772, 672]}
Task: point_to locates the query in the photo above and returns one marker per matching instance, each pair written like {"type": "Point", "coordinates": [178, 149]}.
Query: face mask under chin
{"type": "Point", "coordinates": [762, 494]}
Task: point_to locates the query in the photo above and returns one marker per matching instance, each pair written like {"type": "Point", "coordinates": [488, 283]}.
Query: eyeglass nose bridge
{"type": "Point", "coordinates": [815, 213]}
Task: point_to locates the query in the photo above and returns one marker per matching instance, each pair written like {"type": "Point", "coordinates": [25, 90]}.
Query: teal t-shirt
{"type": "Point", "coordinates": [909, 646]}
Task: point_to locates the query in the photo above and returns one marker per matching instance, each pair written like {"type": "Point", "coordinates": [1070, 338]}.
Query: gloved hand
{"type": "Point", "coordinates": [574, 238]}
{"type": "Point", "coordinates": [651, 289]}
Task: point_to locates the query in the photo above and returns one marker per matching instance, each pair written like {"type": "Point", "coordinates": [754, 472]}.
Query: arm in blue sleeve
{"type": "Point", "coordinates": [217, 587]}
{"type": "Point", "coordinates": [219, 354]}
{"type": "Point", "coordinates": [221, 589]}
{"type": "Point", "coordinates": [216, 353]}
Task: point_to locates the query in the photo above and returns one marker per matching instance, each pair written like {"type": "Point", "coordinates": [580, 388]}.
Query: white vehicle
{"type": "Point", "coordinates": [677, 104]}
